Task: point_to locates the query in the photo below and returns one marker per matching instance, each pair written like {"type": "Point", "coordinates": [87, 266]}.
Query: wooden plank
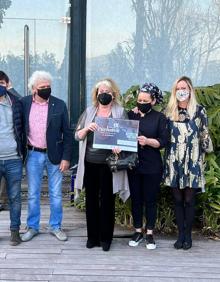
{"type": "Point", "coordinates": [46, 259]}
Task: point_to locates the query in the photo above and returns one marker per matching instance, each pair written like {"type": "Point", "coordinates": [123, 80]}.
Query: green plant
{"type": "Point", "coordinates": [79, 202]}
{"type": "Point", "coordinates": [123, 212]}
{"type": "Point", "coordinates": [165, 214]}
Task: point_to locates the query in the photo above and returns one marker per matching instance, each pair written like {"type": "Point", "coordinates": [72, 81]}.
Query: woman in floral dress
{"type": "Point", "coordinates": [184, 156]}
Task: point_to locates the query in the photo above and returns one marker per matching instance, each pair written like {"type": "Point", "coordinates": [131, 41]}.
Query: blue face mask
{"type": "Point", "coordinates": [3, 90]}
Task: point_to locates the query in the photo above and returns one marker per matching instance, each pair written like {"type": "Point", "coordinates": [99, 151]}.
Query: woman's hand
{"type": "Point", "coordinates": [116, 150]}
{"type": "Point", "coordinates": [135, 110]}
{"type": "Point", "coordinates": [92, 127]}
{"type": "Point", "coordinates": [142, 140]}
{"type": "Point", "coordinates": [84, 131]}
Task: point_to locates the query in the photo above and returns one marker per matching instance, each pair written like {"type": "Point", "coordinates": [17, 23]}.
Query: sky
{"type": "Point", "coordinates": [108, 22]}
{"type": "Point", "coordinates": [47, 32]}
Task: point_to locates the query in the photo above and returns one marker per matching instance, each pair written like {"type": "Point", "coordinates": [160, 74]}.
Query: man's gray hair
{"type": "Point", "coordinates": [39, 76]}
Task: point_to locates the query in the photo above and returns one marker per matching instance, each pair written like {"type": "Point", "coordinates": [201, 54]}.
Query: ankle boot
{"type": "Point", "coordinates": [180, 240]}
{"type": "Point", "coordinates": [15, 238]}
{"type": "Point", "coordinates": [188, 240]}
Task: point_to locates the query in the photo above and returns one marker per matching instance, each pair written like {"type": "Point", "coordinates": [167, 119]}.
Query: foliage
{"type": "Point", "coordinates": [45, 61]}
{"type": "Point", "coordinates": [79, 202]}
{"type": "Point", "coordinates": [4, 5]}
{"type": "Point", "coordinates": [123, 212]}
{"type": "Point", "coordinates": [209, 203]}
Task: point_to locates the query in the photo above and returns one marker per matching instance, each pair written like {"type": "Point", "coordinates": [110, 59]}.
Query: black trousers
{"type": "Point", "coordinates": [144, 190]}
{"type": "Point", "coordinates": [100, 202]}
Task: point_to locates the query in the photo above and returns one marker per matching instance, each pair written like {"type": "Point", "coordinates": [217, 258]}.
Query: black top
{"type": "Point", "coordinates": [152, 125]}
{"type": "Point", "coordinates": [94, 155]}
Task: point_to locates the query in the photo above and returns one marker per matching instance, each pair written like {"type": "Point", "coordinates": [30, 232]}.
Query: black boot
{"type": "Point", "coordinates": [106, 246]}
{"type": "Point", "coordinates": [179, 213]}
{"type": "Point", "coordinates": [15, 238]}
{"type": "Point", "coordinates": [188, 238]}
{"type": "Point", "coordinates": [180, 240]}
{"type": "Point", "coordinates": [189, 216]}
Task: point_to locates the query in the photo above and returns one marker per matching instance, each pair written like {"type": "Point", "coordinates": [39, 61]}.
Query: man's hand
{"type": "Point", "coordinates": [64, 165]}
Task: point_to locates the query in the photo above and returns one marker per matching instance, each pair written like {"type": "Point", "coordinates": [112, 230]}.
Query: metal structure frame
{"type": "Point", "coordinates": [77, 63]}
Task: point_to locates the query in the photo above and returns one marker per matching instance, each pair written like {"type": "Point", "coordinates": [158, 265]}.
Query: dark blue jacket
{"type": "Point", "coordinates": [59, 136]}
{"type": "Point", "coordinates": [17, 122]}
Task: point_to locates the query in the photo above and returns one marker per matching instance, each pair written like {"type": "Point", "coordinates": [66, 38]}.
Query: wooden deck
{"type": "Point", "coordinates": [46, 259]}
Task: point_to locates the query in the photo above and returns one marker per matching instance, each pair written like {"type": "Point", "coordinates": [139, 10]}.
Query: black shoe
{"type": "Point", "coordinates": [187, 245]}
{"type": "Point", "coordinates": [90, 244]}
{"type": "Point", "coordinates": [178, 244]}
{"type": "Point", "coordinates": [15, 238]}
{"type": "Point", "coordinates": [1, 207]}
{"type": "Point", "coordinates": [136, 239]}
{"type": "Point", "coordinates": [151, 245]}
{"type": "Point", "coordinates": [106, 246]}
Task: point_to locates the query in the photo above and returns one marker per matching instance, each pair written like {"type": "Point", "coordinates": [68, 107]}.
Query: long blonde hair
{"type": "Point", "coordinates": [172, 107]}
{"type": "Point", "coordinates": [110, 84]}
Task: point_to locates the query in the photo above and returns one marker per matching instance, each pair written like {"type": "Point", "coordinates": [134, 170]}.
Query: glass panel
{"type": "Point", "coordinates": [137, 41]}
{"type": "Point", "coordinates": [48, 41]}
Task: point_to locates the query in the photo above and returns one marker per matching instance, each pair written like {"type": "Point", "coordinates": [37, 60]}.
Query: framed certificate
{"type": "Point", "coordinates": [113, 132]}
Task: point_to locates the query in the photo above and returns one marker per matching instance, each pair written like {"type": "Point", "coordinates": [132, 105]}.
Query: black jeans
{"type": "Point", "coordinates": [100, 202]}
{"type": "Point", "coordinates": [144, 190]}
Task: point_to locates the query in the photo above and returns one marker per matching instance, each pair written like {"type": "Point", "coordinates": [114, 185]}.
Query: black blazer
{"type": "Point", "coordinates": [59, 136]}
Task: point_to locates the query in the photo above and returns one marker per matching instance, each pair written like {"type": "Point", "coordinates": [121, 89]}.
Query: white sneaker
{"type": "Point", "coordinates": [59, 233]}
{"type": "Point", "coordinates": [151, 245]}
{"type": "Point", "coordinates": [136, 239]}
{"type": "Point", "coordinates": [29, 234]}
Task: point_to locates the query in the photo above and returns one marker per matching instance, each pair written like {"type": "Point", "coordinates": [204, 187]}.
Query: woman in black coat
{"type": "Point", "coordinates": [145, 180]}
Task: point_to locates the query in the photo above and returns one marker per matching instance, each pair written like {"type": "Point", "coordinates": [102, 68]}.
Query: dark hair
{"type": "Point", "coordinates": [3, 76]}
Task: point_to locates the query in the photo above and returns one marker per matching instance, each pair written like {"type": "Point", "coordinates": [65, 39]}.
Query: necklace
{"type": "Point", "coordinates": [183, 114]}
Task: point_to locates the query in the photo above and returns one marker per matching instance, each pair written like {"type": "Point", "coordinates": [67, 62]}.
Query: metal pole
{"type": "Point", "coordinates": [77, 59]}
{"type": "Point", "coordinates": [26, 59]}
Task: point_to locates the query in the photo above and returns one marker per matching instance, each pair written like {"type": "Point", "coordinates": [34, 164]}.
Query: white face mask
{"type": "Point", "coordinates": [182, 95]}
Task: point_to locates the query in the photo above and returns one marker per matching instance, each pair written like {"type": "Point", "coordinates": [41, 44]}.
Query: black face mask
{"type": "Point", "coordinates": [144, 108]}
{"type": "Point", "coordinates": [3, 90]}
{"type": "Point", "coordinates": [104, 98]}
{"type": "Point", "coordinates": [44, 93]}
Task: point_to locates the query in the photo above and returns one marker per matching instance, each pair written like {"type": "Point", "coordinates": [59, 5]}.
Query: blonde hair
{"type": "Point", "coordinates": [172, 107]}
{"type": "Point", "coordinates": [110, 84]}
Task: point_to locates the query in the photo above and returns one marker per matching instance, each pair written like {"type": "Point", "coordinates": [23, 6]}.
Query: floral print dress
{"type": "Point", "coordinates": [184, 156]}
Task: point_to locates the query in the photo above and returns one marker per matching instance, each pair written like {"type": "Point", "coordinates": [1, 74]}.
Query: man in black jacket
{"type": "Point", "coordinates": [49, 142]}
{"type": "Point", "coordinates": [3, 190]}
{"type": "Point", "coordinates": [11, 153]}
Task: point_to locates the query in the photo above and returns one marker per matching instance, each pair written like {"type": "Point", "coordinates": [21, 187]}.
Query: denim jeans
{"type": "Point", "coordinates": [36, 163]}
{"type": "Point", "coordinates": [12, 171]}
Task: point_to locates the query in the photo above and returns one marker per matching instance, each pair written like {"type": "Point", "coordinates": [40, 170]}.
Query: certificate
{"type": "Point", "coordinates": [114, 132]}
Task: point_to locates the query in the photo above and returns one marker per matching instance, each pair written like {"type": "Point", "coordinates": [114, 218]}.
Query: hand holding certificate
{"type": "Point", "coordinates": [113, 132]}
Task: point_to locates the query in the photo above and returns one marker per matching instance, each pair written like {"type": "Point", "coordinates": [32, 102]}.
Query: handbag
{"type": "Point", "coordinates": [206, 142]}
{"type": "Point", "coordinates": [122, 161]}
